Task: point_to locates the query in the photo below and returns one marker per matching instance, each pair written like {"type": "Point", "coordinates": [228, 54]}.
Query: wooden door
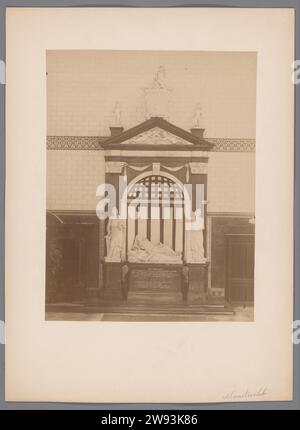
{"type": "Point", "coordinates": [240, 268]}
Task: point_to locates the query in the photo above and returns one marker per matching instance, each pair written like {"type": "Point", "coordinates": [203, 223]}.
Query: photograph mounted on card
{"type": "Point", "coordinates": [148, 180]}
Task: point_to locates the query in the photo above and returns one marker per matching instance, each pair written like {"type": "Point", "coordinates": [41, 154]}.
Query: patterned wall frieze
{"type": "Point", "coordinates": [73, 142]}
{"type": "Point", "coordinates": [94, 143]}
{"type": "Point", "coordinates": [232, 145]}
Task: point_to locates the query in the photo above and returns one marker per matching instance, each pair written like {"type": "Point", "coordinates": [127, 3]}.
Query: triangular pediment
{"type": "Point", "coordinates": [156, 136]}
{"type": "Point", "coordinates": [156, 133]}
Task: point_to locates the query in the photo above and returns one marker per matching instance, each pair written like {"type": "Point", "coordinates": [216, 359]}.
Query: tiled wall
{"type": "Point", "coordinates": [72, 179]}
{"type": "Point", "coordinates": [73, 176]}
{"type": "Point", "coordinates": [231, 182]}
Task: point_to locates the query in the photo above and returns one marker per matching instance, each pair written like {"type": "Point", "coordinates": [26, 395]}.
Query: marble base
{"type": "Point", "coordinates": [159, 280]}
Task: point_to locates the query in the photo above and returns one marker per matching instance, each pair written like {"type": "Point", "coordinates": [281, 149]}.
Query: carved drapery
{"type": "Point", "coordinates": [118, 167]}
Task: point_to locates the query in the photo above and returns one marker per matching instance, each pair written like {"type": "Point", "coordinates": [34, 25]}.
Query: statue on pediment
{"type": "Point", "coordinates": [197, 118]}
{"type": "Point", "coordinates": [159, 78]}
{"type": "Point", "coordinates": [117, 112]}
{"type": "Point", "coordinates": [157, 96]}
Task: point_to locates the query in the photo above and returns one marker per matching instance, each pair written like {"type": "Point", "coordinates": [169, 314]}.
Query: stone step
{"type": "Point", "coordinates": [123, 308]}
{"type": "Point", "coordinates": [178, 308]}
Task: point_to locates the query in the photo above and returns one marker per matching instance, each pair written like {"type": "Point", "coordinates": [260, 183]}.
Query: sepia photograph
{"type": "Point", "coordinates": [150, 212]}
{"type": "Point", "coordinates": [149, 206]}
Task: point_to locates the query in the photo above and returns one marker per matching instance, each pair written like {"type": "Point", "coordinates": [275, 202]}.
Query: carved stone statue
{"type": "Point", "coordinates": [117, 114]}
{"type": "Point", "coordinates": [157, 96]}
{"type": "Point", "coordinates": [115, 237]}
{"type": "Point", "coordinates": [197, 118]}
{"type": "Point", "coordinates": [144, 251]}
{"type": "Point", "coordinates": [159, 78]}
{"type": "Point", "coordinates": [194, 249]}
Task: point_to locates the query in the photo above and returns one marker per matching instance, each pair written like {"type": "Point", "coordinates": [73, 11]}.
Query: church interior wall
{"type": "Point", "coordinates": [73, 176]}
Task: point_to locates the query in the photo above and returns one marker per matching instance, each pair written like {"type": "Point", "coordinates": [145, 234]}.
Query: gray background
{"type": "Point", "coordinates": [295, 404]}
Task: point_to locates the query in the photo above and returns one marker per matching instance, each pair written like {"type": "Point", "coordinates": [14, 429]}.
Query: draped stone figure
{"type": "Point", "coordinates": [115, 237]}
{"type": "Point", "coordinates": [144, 251]}
{"type": "Point", "coordinates": [194, 249]}
{"type": "Point", "coordinates": [159, 78]}
{"type": "Point", "coordinates": [197, 118]}
{"type": "Point", "coordinates": [117, 114]}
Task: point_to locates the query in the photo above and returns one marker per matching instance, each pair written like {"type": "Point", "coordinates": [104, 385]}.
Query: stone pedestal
{"type": "Point", "coordinates": [199, 132]}
{"type": "Point", "coordinates": [197, 282]}
{"type": "Point", "coordinates": [115, 130]}
{"type": "Point", "coordinates": [155, 284]}
{"type": "Point", "coordinates": [157, 102]}
{"type": "Point", "coordinates": [112, 281]}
